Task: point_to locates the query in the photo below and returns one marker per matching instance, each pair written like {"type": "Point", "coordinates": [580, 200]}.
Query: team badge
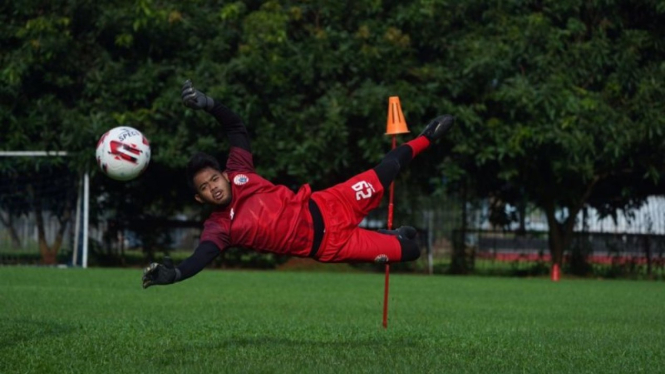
{"type": "Point", "coordinates": [240, 179]}
{"type": "Point", "coordinates": [381, 259]}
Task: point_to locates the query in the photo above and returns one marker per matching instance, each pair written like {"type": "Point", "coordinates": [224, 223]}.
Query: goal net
{"type": "Point", "coordinates": [41, 212]}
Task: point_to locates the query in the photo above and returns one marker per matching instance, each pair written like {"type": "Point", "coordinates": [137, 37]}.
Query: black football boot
{"type": "Point", "coordinates": [439, 126]}
{"type": "Point", "coordinates": [404, 232]}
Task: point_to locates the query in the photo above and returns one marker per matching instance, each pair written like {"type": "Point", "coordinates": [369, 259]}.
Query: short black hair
{"type": "Point", "coordinates": [198, 162]}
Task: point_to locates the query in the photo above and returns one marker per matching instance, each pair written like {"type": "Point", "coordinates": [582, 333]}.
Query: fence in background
{"type": "Point", "coordinates": [460, 235]}
{"type": "Point", "coordinates": [629, 247]}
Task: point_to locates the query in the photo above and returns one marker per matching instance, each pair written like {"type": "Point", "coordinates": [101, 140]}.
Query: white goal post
{"type": "Point", "coordinates": [82, 205]}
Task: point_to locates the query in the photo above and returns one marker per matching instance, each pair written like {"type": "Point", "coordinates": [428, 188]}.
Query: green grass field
{"type": "Point", "coordinates": [101, 321]}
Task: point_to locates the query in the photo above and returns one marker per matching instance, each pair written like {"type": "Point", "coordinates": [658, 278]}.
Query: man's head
{"type": "Point", "coordinates": [210, 184]}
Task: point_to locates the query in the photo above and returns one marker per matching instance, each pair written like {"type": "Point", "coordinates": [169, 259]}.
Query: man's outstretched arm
{"type": "Point", "coordinates": [163, 274]}
{"type": "Point", "coordinates": [232, 123]}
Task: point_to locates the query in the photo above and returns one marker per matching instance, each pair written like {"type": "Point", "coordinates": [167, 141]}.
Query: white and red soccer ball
{"type": "Point", "coordinates": [123, 153]}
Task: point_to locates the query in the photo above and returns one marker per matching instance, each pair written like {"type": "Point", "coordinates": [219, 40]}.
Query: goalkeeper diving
{"type": "Point", "coordinates": [251, 212]}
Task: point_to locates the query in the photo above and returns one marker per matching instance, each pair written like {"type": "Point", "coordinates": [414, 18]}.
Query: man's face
{"type": "Point", "coordinates": [213, 187]}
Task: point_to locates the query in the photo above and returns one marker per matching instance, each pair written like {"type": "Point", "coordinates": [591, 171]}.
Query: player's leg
{"type": "Point", "coordinates": [363, 192]}
{"type": "Point", "coordinates": [406, 235]}
{"type": "Point", "coordinates": [360, 245]}
{"type": "Point", "coordinates": [343, 206]}
{"type": "Point", "coordinates": [399, 157]}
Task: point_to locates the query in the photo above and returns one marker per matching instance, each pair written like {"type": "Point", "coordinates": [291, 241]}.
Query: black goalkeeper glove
{"type": "Point", "coordinates": [160, 274]}
{"type": "Point", "coordinates": [196, 99]}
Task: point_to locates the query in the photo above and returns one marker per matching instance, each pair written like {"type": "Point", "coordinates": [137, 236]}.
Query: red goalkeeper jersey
{"type": "Point", "coordinates": [261, 215]}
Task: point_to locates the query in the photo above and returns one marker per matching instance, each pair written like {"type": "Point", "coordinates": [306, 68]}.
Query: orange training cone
{"type": "Point", "coordinates": [396, 123]}
{"type": "Point", "coordinates": [556, 273]}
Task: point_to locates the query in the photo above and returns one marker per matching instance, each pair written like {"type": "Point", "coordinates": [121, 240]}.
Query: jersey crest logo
{"type": "Point", "coordinates": [240, 179]}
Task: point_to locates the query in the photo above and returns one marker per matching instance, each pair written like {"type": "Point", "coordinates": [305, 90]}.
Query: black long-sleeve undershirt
{"type": "Point", "coordinates": [203, 255]}
{"type": "Point", "coordinates": [237, 134]}
{"type": "Point", "coordinates": [233, 126]}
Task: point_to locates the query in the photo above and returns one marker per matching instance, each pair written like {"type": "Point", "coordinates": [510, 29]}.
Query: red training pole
{"type": "Point", "coordinates": [390, 227]}
{"type": "Point", "coordinates": [395, 125]}
{"type": "Point", "coordinates": [392, 194]}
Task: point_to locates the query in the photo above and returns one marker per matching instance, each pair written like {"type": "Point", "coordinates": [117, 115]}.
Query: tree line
{"type": "Point", "coordinates": [559, 104]}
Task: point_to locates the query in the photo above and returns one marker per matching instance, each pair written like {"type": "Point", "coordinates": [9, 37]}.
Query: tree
{"type": "Point", "coordinates": [567, 110]}
{"type": "Point", "coordinates": [310, 81]}
{"type": "Point", "coordinates": [559, 101]}
{"type": "Point", "coordinates": [68, 77]}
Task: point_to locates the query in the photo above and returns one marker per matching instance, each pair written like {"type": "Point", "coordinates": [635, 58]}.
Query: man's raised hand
{"type": "Point", "coordinates": [194, 98]}
{"type": "Point", "coordinates": [160, 274]}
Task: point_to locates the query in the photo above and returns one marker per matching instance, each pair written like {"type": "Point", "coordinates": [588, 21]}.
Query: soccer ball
{"type": "Point", "coordinates": [123, 153]}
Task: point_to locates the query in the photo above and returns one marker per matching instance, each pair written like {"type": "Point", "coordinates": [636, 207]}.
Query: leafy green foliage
{"type": "Point", "coordinates": [559, 102]}
{"type": "Point", "coordinates": [564, 110]}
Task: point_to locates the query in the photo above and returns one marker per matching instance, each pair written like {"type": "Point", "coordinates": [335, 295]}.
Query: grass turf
{"type": "Point", "coordinates": [101, 321]}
